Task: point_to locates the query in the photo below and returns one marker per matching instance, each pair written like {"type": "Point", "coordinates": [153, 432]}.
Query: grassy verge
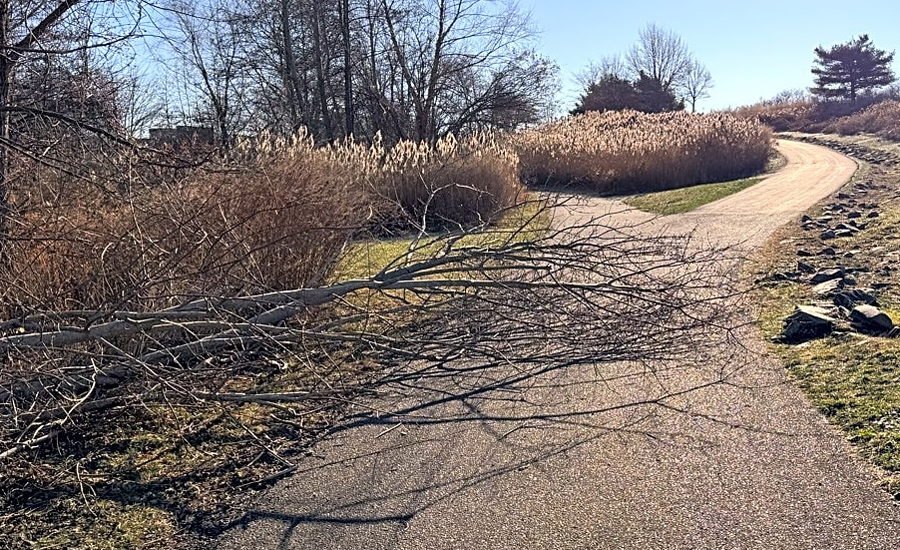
{"type": "Point", "coordinates": [685, 199]}
{"type": "Point", "coordinates": [367, 258]}
{"type": "Point", "coordinates": [678, 201]}
{"type": "Point", "coordinates": [853, 379]}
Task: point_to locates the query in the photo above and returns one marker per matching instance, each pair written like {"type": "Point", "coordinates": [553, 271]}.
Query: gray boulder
{"type": "Point", "coordinates": [828, 287]}
{"type": "Point", "coordinates": [807, 323]}
{"type": "Point", "coordinates": [827, 275]}
{"type": "Point", "coordinates": [852, 298]}
{"type": "Point", "coordinates": [804, 267]}
{"type": "Point", "coordinates": [870, 319]}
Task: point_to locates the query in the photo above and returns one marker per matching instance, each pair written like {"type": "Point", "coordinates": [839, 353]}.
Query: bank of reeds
{"type": "Point", "coordinates": [273, 215]}
{"type": "Point", "coordinates": [630, 152]}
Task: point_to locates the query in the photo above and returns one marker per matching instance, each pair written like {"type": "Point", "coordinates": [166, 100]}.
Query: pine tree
{"type": "Point", "coordinates": [846, 70]}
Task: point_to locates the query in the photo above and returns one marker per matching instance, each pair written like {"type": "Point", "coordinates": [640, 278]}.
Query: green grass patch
{"type": "Point", "coordinates": [685, 199]}
{"type": "Point", "coordinates": [362, 259]}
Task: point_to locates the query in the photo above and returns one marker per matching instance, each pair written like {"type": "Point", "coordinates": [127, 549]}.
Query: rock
{"type": "Point", "coordinates": [846, 227]}
{"type": "Point", "coordinates": [870, 319]}
{"type": "Point", "coordinates": [853, 214]}
{"type": "Point", "coordinates": [779, 276]}
{"type": "Point", "coordinates": [828, 251]}
{"type": "Point", "coordinates": [827, 275]}
{"type": "Point", "coordinates": [880, 286]}
{"type": "Point", "coordinates": [843, 196]}
{"type": "Point", "coordinates": [873, 215]}
{"type": "Point", "coordinates": [852, 298]}
{"type": "Point", "coordinates": [842, 234]}
{"type": "Point", "coordinates": [805, 219]}
{"type": "Point", "coordinates": [826, 235]}
{"type": "Point", "coordinates": [805, 253]}
{"type": "Point", "coordinates": [807, 323]}
{"type": "Point", "coordinates": [828, 287]}
{"type": "Point", "coordinates": [804, 267]}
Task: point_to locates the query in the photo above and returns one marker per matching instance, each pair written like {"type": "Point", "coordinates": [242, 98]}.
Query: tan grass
{"type": "Point", "coordinates": [881, 119]}
{"type": "Point", "coordinates": [630, 152]}
{"type": "Point", "coordinates": [274, 214]}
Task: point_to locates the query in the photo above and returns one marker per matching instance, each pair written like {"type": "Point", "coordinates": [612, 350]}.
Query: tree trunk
{"type": "Point", "coordinates": [292, 81]}
{"type": "Point", "coordinates": [348, 69]}
{"type": "Point", "coordinates": [320, 69]}
{"type": "Point", "coordinates": [6, 66]}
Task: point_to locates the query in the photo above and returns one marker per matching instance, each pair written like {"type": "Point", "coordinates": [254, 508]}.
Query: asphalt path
{"type": "Point", "coordinates": [743, 464]}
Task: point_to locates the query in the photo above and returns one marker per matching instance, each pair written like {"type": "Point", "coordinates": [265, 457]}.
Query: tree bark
{"type": "Point", "coordinates": [320, 69]}
{"type": "Point", "coordinates": [348, 68]}
{"type": "Point", "coordinates": [6, 65]}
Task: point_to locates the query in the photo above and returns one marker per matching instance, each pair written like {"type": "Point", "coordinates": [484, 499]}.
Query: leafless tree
{"type": "Point", "coordinates": [594, 72]}
{"type": "Point", "coordinates": [208, 47]}
{"type": "Point", "coordinates": [697, 84]}
{"type": "Point", "coordinates": [661, 55]}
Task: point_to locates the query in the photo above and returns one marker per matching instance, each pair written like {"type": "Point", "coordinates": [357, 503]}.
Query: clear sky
{"type": "Point", "coordinates": [753, 49]}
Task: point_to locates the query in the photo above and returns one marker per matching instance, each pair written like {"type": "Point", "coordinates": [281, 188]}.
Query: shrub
{"type": "Point", "coordinates": [276, 221]}
{"type": "Point", "coordinates": [631, 152]}
{"type": "Point", "coordinates": [881, 119]}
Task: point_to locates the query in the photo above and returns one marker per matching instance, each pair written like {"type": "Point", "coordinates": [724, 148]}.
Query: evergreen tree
{"type": "Point", "coordinates": [611, 93]}
{"type": "Point", "coordinates": [846, 70]}
{"type": "Point", "coordinates": [653, 96]}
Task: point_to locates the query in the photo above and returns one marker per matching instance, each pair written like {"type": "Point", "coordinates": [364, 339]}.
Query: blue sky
{"type": "Point", "coordinates": [753, 49]}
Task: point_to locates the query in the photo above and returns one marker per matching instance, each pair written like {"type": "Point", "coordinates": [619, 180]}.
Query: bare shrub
{"type": "Point", "coordinates": [630, 152]}
{"type": "Point", "coordinates": [881, 119]}
{"type": "Point", "coordinates": [273, 220]}
{"type": "Point", "coordinates": [273, 214]}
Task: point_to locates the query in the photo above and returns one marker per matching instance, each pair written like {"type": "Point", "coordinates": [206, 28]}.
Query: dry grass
{"type": "Point", "coordinates": [629, 152]}
{"type": "Point", "coordinates": [274, 215]}
{"type": "Point", "coordinates": [451, 184]}
{"type": "Point", "coordinates": [881, 119]}
{"type": "Point", "coordinates": [781, 117]}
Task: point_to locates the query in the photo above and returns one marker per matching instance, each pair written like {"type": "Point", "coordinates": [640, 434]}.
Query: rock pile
{"type": "Point", "coordinates": [838, 303]}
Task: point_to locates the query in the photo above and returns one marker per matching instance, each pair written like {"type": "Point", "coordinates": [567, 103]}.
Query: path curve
{"type": "Point", "coordinates": [748, 217]}
{"type": "Point", "coordinates": [769, 474]}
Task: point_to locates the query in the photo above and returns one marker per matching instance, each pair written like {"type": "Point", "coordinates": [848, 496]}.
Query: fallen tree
{"type": "Point", "coordinates": [481, 315]}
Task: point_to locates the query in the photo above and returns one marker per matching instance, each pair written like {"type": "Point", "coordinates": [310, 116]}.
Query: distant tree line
{"type": "Point", "coordinates": [407, 69]}
{"type": "Point", "coordinates": [659, 73]}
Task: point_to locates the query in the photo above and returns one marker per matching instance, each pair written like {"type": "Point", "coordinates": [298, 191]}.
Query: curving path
{"type": "Point", "coordinates": [752, 465]}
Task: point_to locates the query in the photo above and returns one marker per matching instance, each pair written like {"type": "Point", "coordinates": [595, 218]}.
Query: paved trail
{"type": "Point", "coordinates": [752, 466]}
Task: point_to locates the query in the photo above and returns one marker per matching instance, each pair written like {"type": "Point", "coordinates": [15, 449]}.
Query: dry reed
{"type": "Point", "coordinates": [274, 214]}
{"type": "Point", "coordinates": [628, 152]}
